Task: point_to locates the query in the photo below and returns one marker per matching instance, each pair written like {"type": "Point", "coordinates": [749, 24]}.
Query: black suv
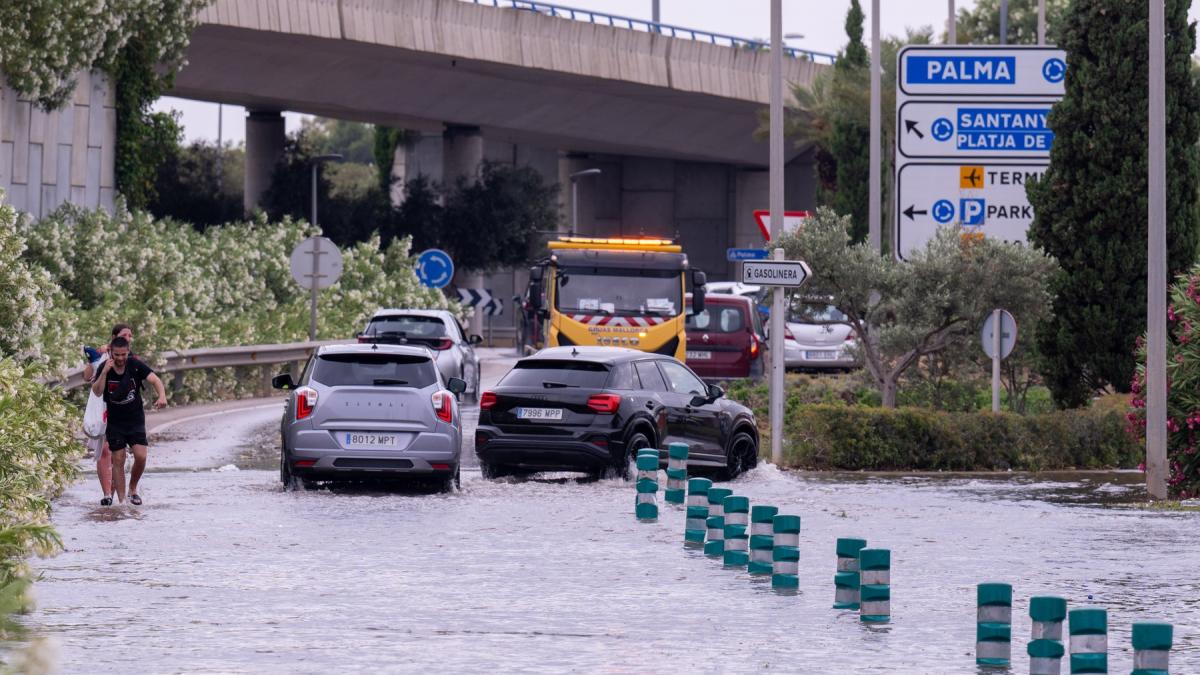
{"type": "Point", "coordinates": [592, 408]}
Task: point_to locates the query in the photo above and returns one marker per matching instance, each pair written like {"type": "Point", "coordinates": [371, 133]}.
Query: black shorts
{"type": "Point", "coordinates": [119, 437]}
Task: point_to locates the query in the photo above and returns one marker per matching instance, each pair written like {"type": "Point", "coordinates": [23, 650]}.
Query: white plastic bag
{"type": "Point", "coordinates": [95, 416]}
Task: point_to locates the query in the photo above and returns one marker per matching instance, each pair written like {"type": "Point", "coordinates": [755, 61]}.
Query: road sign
{"type": "Point", "coordinates": [316, 259]}
{"type": "Point", "coordinates": [792, 220]}
{"type": "Point", "coordinates": [787, 273]}
{"type": "Point", "coordinates": [488, 304]}
{"type": "Point", "coordinates": [985, 198]}
{"type": "Point", "coordinates": [1008, 334]}
{"type": "Point", "coordinates": [435, 269]}
{"type": "Point", "coordinates": [738, 254]}
{"type": "Point", "coordinates": [984, 71]}
{"type": "Point", "coordinates": [973, 130]}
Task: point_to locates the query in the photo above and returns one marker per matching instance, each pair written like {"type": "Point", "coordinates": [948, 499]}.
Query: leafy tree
{"type": "Point", "coordinates": [419, 216]}
{"type": "Point", "coordinates": [849, 141]}
{"type": "Point", "coordinates": [981, 24]}
{"type": "Point", "coordinates": [200, 184]}
{"type": "Point", "coordinates": [496, 221]}
{"type": "Point", "coordinates": [386, 140]}
{"type": "Point", "coordinates": [1090, 206]}
{"type": "Point", "coordinates": [904, 312]}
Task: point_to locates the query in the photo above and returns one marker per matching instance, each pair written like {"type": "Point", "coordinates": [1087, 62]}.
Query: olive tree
{"type": "Point", "coordinates": [905, 311]}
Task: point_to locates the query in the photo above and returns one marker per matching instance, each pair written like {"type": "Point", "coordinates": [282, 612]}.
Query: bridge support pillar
{"type": "Point", "coordinates": [265, 136]}
{"type": "Point", "coordinates": [462, 154]}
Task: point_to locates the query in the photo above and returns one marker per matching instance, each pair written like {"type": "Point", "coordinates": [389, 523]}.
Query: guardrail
{"type": "Point", "coordinates": [216, 357]}
{"type": "Point", "coordinates": [632, 23]}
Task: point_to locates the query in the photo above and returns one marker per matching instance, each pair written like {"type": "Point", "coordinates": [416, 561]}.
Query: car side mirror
{"type": "Point", "coordinates": [699, 279]}
{"type": "Point", "coordinates": [715, 392]}
{"type": "Point", "coordinates": [475, 340]}
{"type": "Point", "coordinates": [456, 386]}
{"type": "Point", "coordinates": [283, 381]}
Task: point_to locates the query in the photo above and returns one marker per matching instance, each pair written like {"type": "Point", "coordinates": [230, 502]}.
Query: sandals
{"type": "Point", "coordinates": [135, 500]}
{"type": "Point", "coordinates": [107, 501]}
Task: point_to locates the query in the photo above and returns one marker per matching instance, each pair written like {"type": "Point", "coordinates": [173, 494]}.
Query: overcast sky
{"type": "Point", "coordinates": [819, 21]}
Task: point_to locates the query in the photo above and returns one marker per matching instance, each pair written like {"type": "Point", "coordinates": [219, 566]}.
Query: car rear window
{"type": "Point", "coordinates": [547, 373]}
{"type": "Point", "coordinates": [411, 325]}
{"type": "Point", "coordinates": [366, 370]}
{"type": "Point", "coordinates": [717, 319]}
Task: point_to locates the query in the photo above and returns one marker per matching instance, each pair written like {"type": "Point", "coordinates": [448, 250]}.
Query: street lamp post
{"type": "Point", "coordinates": [1156, 268]}
{"type": "Point", "coordinates": [575, 195]}
{"type": "Point", "coordinates": [316, 162]}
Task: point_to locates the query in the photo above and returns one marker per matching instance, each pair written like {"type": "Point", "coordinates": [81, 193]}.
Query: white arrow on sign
{"type": "Point", "coordinates": [974, 130]}
{"type": "Point", "coordinates": [984, 71]}
{"type": "Point", "coordinates": [987, 198]}
{"type": "Point", "coordinates": [787, 273]}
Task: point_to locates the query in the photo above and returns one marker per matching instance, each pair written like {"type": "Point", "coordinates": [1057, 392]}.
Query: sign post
{"type": "Point", "coordinates": [315, 263]}
{"type": "Point", "coordinates": [998, 337]}
{"type": "Point", "coordinates": [971, 131]}
{"type": "Point", "coordinates": [779, 274]}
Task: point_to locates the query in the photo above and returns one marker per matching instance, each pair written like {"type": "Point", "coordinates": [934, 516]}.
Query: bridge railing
{"type": "Point", "coordinates": [632, 23]}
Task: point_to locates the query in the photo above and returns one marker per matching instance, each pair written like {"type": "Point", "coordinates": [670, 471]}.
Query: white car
{"type": "Point", "coordinates": [818, 337]}
{"type": "Point", "coordinates": [735, 288]}
{"type": "Point", "coordinates": [437, 329]}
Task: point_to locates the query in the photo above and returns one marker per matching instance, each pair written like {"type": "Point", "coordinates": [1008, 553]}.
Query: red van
{"type": "Point", "coordinates": [725, 341]}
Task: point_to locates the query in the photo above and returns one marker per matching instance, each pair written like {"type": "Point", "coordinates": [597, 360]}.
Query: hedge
{"type": "Point", "coordinates": [862, 438]}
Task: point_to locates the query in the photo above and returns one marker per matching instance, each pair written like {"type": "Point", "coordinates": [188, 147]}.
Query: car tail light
{"type": "Point", "coordinates": [443, 405]}
{"type": "Point", "coordinates": [305, 463]}
{"type": "Point", "coordinates": [851, 336]}
{"type": "Point", "coordinates": [787, 335]}
{"type": "Point", "coordinates": [486, 400]}
{"type": "Point", "coordinates": [440, 467]}
{"type": "Point", "coordinates": [443, 344]}
{"type": "Point", "coordinates": [753, 346]}
{"type": "Point", "coordinates": [306, 402]}
{"type": "Point", "coordinates": [605, 404]}
{"type": "Point", "coordinates": [480, 439]}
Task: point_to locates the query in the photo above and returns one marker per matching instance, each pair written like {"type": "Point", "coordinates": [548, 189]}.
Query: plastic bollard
{"type": "Point", "coordinates": [762, 541]}
{"type": "Point", "coordinates": [846, 581]}
{"type": "Point", "coordinates": [1151, 648]}
{"type": "Point", "coordinates": [993, 624]}
{"type": "Point", "coordinates": [785, 552]}
{"type": "Point", "coordinates": [677, 456]}
{"type": "Point", "coordinates": [1045, 646]}
{"type": "Point", "coordinates": [875, 589]}
{"type": "Point", "coordinates": [715, 546]}
{"type": "Point", "coordinates": [697, 511]}
{"type": "Point", "coordinates": [647, 487]}
{"type": "Point", "coordinates": [1089, 639]}
{"type": "Point", "coordinates": [737, 536]}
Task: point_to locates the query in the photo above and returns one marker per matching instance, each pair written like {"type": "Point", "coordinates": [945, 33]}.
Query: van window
{"type": "Point", "coordinates": [366, 370]}
{"type": "Point", "coordinates": [717, 319]}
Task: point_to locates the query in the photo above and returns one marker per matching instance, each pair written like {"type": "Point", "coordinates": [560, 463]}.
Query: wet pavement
{"type": "Point", "coordinates": [223, 571]}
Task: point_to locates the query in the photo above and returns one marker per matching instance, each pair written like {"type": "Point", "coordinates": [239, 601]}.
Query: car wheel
{"type": "Point", "coordinates": [742, 455]}
{"type": "Point", "coordinates": [627, 467]}
{"type": "Point", "coordinates": [454, 482]}
{"type": "Point", "coordinates": [285, 469]}
{"type": "Point", "coordinates": [472, 394]}
{"type": "Point", "coordinates": [493, 471]}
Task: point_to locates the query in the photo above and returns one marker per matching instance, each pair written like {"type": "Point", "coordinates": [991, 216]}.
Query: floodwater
{"type": "Point", "coordinates": [223, 571]}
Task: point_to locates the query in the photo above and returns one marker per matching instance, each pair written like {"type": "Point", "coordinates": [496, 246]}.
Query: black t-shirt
{"type": "Point", "coordinates": [123, 394]}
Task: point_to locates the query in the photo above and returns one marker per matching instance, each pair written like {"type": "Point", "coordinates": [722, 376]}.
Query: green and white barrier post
{"type": "Point", "coordinates": [785, 553]}
{"type": "Point", "coordinates": [677, 456]}
{"type": "Point", "coordinates": [762, 527]}
{"type": "Point", "coordinates": [1151, 648]}
{"type": "Point", "coordinates": [697, 511]}
{"type": "Point", "coordinates": [1045, 647]}
{"type": "Point", "coordinates": [875, 591]}
{"type": "Point", "coordinates": [715, 546]}
{"type": "Point", "coordinates": [1089, 639]}
{"type": "Point", "coordinates": [993, 625]}
{"type": "Point", "coordinates": [647, 487]}
{"type": "Point", "coordinates": [737, 537]}
{"type": "Point", "coordinates": [846, 581]}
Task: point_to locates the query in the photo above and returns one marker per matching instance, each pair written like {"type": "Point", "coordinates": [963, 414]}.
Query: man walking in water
{"type": "Point", "coordinates": [103, 455]}
{"type": "Point", "coordinates": [120, 383]}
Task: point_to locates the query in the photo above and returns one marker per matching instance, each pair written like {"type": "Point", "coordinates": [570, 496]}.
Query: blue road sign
{"type": "Point", "coordinates": [943, 211]}
{"type": "Point", "coordinates": [736, 254]}
{"type": "Point", "coordinates": [1054, 70]}
{"type": "Point", "coordinates": [942, 129]}
{"type": "Point", "coordinates": [435, 269]}
{"type": "Point", "coordinates": [972, 211]}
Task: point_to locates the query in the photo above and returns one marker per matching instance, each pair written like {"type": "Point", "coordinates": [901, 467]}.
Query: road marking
{"type": "Point", "coordinates": [167, 425]}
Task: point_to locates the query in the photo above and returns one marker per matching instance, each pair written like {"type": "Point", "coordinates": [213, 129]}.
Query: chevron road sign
{"type": "Point", "coordinates": [488, 304]}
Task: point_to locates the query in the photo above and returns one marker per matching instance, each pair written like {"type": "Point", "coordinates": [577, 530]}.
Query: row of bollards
{"type": "Point", "coordinates": [646, 506]}
{"type": "Point", "coordinates": [677, 456]}
{"type": "Point", "coordinates": [1088, 635]}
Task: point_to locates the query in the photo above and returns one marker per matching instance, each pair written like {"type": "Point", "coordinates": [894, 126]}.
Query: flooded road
{"type": "Point", "coordinates": [223, 571]}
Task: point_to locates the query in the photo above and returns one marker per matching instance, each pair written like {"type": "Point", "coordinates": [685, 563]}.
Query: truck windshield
{"type": "Point", "coordinates": [602, 290]}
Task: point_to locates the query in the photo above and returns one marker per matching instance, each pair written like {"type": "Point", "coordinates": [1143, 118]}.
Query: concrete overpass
{"type": "Point", "coordinates": [667, 113]}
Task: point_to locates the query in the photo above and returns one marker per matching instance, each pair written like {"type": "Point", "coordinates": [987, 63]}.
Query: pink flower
{"type": "Point", "coordinates": [1142, 467]}
{"type": "Point", "coordinates": [1136, 386]}
{"type": "Point", "coordinates": [1172, 425]}
{"type": "Point", "coordinates": [1171, 313]}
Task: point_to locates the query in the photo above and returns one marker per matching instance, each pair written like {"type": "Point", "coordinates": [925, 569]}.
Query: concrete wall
{"type": "Point", "coordinates": [67, 155]}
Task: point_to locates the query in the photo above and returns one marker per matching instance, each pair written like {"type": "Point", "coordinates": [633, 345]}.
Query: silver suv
{"type": "Point", "coordinates": [370, 411]}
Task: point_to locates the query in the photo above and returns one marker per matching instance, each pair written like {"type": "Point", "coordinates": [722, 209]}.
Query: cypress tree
{"type": "Point", "coordinates": [849, 142]}
{"type": "Point", "coordinates": [1090, 207]}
